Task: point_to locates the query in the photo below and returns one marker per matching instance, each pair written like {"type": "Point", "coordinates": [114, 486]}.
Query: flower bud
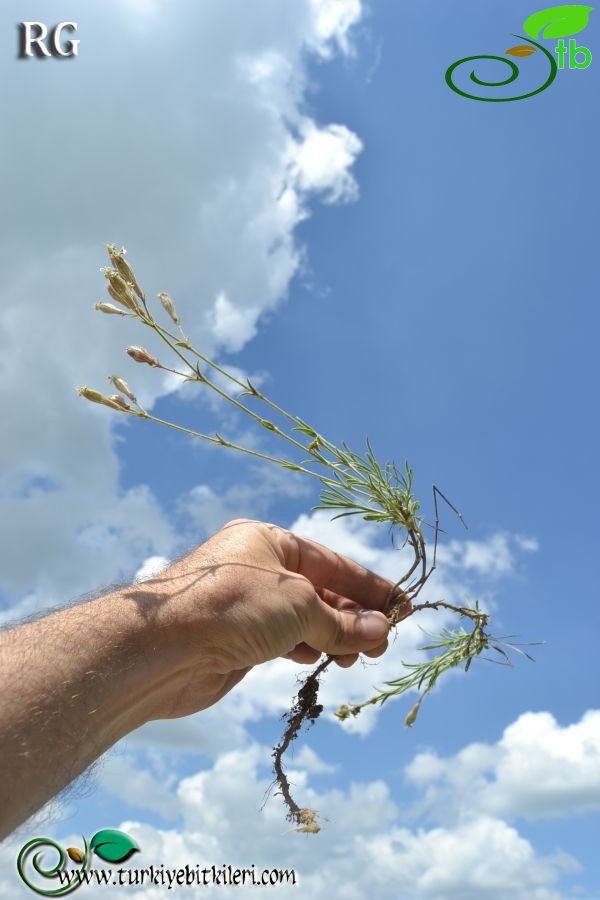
{"type": "Point", "coordinates": [139, 354]}
{"type": "Point", "coordinates": [168, 306]}
{"type": "Point", "coordinates": [412, 716]}
{"type": "Point", "coordinates": [117, 258]}
{"type": "Point", "coordinates": [96, 397]}
{"type": "Point", "coordinates": [121, 385]}
{"type": "Point", "coordinates": [110, 309]}
{"type": "Point", "coordinates": [344, 712]}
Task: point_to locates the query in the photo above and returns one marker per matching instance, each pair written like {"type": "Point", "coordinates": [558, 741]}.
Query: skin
{"type": "Point", "coordinates": [78, 680]}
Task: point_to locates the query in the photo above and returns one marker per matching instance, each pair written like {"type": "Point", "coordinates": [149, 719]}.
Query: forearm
{"type": "Point", "coordinates": [73, 684]}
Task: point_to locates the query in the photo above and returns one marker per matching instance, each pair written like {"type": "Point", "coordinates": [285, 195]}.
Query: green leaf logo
{"type": "Point", "coordinates": [112, 845]}
{"type": "Point", "coordinates": [557, 21]}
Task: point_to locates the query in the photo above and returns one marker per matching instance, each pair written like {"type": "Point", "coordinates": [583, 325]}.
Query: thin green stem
{"type": "Point", "coordinates": [204, 380]}
{"type": "Point", "coordinates": [223, 442]}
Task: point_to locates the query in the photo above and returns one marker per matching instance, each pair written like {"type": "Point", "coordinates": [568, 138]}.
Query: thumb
{"type": "Point", "coordinates": [345, 631]}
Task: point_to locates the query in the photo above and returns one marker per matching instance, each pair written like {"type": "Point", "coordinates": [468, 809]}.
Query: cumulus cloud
{"type": "Point", "coordinates": [482, 858]}
{"type": "Point", "coordinates": [537, 769]}
{"type": "Point", "coordinates": [493, 557]}
{"type": "Point", "coordinates": [333, 20]}
{"type": "Point", "coordinates": [322, 160]}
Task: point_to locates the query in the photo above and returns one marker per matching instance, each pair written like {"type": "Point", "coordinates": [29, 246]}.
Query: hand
{"type": "Point", "coordinates": [255, 592]}
{"type": "Point", "coordinates": [78, 680]}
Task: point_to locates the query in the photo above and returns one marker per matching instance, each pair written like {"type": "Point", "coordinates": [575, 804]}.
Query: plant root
{"type": "Point", "coordinates": [304, 709]}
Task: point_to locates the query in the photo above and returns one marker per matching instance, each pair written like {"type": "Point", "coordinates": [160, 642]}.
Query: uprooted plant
{"type": "Point", "coordinates": [352, 483]}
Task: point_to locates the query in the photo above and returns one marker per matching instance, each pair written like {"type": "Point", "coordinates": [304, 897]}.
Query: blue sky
{"type": "Point", "coordinates": [444, 304]}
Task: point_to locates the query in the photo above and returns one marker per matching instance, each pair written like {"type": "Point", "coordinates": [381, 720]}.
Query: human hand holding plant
{"type": "Point", "coordinates": [252, 593]}
{"type": "Point", "coordinates": [352, 484]}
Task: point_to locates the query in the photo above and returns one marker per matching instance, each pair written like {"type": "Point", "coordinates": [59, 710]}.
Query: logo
{"type": "Point", "coordinates": [554, 22]}
{"type": "Point", "coordinates": [109, 844]}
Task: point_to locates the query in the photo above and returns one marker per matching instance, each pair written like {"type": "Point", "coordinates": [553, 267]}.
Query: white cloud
{"type": "Point", "coordinates": [321, 162]}
{"type": "Point", "coordinates": [529, 544]}
{"type": "Point", "coordinates": [493, 557]}
{"type": "Point", "coordinates": [207, 734]}
{"type": "Point", "coordinates": [144, 789]}
{"type": "Point", "coordinates": [333, 19]}
{"type": "Point", "coordinates": [152, 566]}
{"type": "Point", "coordinates": [231, 326]}
{"type": "Point", "coordinates": [485, 858]}
{"type": "Point", "coordinates": [537, 769]}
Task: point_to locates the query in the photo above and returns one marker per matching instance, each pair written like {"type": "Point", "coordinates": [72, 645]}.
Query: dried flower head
{"type": "Point", "coordinates": [139, 354]}
{"type": "Point", "coordinates": [118, 401]}
{"type": "Point", "coordinates": [109, 309]}
{"type": "Point", "coordinates": [96, 397]}
{"type": "Point", "coordinates": [122, 386]}
{"type": "Point", "coordinates": [169, 306]}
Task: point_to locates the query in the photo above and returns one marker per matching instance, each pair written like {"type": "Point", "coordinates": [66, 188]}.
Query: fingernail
{"type": "Point", "coordinates": [372, 626]}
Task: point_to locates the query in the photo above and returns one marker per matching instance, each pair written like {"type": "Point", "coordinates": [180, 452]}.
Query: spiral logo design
{"type": "Point", "coordinates": [40, 845]}
{"type": "Point", "coordinates": [514, 74]}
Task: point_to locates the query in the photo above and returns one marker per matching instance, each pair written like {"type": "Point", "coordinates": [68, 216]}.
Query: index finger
{"type": "Point", "coordinates": [325, 568]}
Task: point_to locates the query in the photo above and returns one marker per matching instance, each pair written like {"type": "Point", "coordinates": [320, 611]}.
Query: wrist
{"type": "Point", "coordinates": [115, 661]}
{"type": "Point", "coordinates": [170, 631]}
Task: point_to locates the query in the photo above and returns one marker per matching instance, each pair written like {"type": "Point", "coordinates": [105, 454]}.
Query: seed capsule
{"type": "Point", "coordinates": [168, 306]}
{"type": "Point", "coordinates": [141, 355]}
{"type": "Point", "coordinates": [96, 397]}
{"type": "Point", "coordinates": [118, 401]}
{"type": "Point", "coordinates": [110, 309]}
{"type": "Point", "coordinates": [121, 385]}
